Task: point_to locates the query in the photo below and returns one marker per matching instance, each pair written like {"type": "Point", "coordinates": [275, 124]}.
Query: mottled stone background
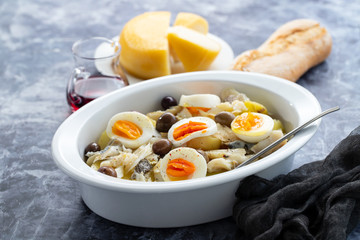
{"type": "Point", "coordinates": [38, 201]}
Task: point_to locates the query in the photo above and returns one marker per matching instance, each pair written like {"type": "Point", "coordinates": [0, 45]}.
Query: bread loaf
{"type": "Point", "coordinates": [289, 52]}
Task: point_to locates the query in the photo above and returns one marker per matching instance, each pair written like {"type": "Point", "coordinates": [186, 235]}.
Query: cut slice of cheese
{"type": "Point", "coordinates": [195, 50]}
{"type": "Point", "coordinates": [192, 21]}
{"type": "Point", "coordinates": [144, 46]}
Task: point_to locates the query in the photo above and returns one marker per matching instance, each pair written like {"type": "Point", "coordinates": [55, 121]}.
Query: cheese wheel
{"type": "Point", "coordinates": [196, 51]}
{"type": "Point", "coordinates": [192, 21]}
{"type": "Point", "coordinates": [144, 46]}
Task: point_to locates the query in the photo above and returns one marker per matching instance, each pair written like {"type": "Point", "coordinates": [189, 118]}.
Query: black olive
{"type": "Point", "coordinates": [143, 166]}
{"type": "Point", "coordinates": [224, 118]}
{"type": "Point", "coordinates": [108, 171]}
{"type": "Point", "coordinates": [92, 147]}
{"type": "Point", "coordinates": [168, 102]}
{"type": "Point", "coordinates": [162, 147]}
{"type": "Point", "coordinates": [165, 121]}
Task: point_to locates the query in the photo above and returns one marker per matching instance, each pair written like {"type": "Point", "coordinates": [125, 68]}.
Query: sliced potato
{"type": "Point", "coordinates": [155, 115]}
{"type": "Point", "coordinates": [103, 140]}
{"type": "Point", "coordinates": [205, 143]}
{"type": "Point", "coordinates": [278, 125]}
{"type": "Point", "coordinates": [255, 107]}
{"type": "Point", "coordinates": [96, 165]}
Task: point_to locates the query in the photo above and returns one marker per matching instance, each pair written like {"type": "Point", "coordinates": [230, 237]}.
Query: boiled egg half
{"type": "Point", "coordinates": [196, 102]}
{"type": "Point", "coordinates": [132, 129]}
{"type": "Point", "coordinates": [252, 127]}
{"type": "Point", "coordinates": [181, 164]}
{"type": "Point", "coordinates": [190, 128]}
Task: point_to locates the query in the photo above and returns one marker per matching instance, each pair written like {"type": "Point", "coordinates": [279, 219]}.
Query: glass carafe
{"type": "Point", "coordinates": [97, 71]}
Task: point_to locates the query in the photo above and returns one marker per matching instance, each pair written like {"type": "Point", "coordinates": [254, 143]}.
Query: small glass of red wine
{"type": "Point", "coordinates": [97, 71]}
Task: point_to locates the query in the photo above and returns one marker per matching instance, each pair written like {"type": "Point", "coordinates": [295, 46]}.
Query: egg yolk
{"type": "Point", "coordinates": [179, 169]}
{"type": "Point", "coordinates": [196, 110]}
{"type": "Point", "coordinates": [247, 122]}
{"type": "Point", "coordinates": [126, 129]}
{"type": "Point", "coordinates": [186, 129]}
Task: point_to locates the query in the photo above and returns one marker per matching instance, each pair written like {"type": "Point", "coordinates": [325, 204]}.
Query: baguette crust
{"type": "Point", "coordinates": [289, 52]}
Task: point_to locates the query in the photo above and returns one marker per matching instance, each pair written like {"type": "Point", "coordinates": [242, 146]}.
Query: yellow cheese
{"type": "Point", "coordinates": [144, 46]}
{"type": "Point", "coordinates": [192, 21]}
{"type": "Point", "coordinates": [196, 51]}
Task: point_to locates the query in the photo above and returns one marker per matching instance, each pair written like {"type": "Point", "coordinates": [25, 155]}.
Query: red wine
{"type": "Point", "coordinates": [86, 90]}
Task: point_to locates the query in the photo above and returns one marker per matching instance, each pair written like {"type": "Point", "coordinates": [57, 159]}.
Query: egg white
{"type": "Point", "coordinates": [199, 100]}
{"type": "Point", "coordinates": [210, 130]}
{"type": "Point", "coordinates": [257, 134]}
{"type": "Point", "coordinates": [142, 121]}
{"type": "Point", "coordinates": [188, 154]}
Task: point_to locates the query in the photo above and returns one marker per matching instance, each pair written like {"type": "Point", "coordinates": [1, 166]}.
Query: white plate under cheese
{"type": "Point", "coordinates": [222, 62]}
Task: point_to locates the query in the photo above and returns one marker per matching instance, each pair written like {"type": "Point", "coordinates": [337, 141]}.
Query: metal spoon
{"type": "Point", "coordinates": [287, 136]}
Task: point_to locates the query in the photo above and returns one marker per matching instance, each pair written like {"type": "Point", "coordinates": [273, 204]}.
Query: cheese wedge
{"type": "Point", "coordinates": [144, 46]}
{"type": "Point", "coordinates": [195, 50]}
{"type": "Point", "coordinates": [192, 21]}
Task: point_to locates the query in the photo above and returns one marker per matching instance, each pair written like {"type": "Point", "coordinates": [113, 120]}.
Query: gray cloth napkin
{"type": "Point", "coordinates": [319, 200]}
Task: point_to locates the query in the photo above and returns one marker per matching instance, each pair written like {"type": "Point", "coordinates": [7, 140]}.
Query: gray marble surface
{"type": "Point", "coordinates": [38, 201]}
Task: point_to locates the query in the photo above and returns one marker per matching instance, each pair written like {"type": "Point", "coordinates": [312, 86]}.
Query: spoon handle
{"type": "Point", "coordinates": [287, 136]}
